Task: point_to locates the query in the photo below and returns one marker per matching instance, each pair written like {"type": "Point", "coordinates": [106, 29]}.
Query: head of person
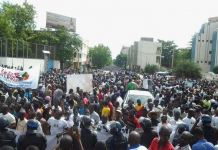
{"type": "Point", "coordinates": [66, 142]}
{"type": "Point", "coordinates": [182, 127]}
{"type": "Point", "coordinates": [32, 147]}
{"type": "Point", "coordinates": [31, 115]}
{"type": "Point", "coordinates": [58, 114]}
{"type": "Point", "coordinates": [176, 115]}
{"type": "Point", "coordinates": [165, 111]}
{"type": "Point", "coordinates": [190, 113]}
{"type": "Point", "coordinates": [71, 103]}
{"type": "Point", "coordinates": [100, 145]}
{"type": "Point", "coordinates": [3, 123]}
{"type": "Point", "coordinates": [130, 103]}
{"type": "Point", "coordinates": [117, 94]}
{"type": "Point", "coordinates": [156, 102]}
{"type": "Point", "coordinates": [132, 113]}
{"type": "Point", "coordinates": [164, 133]}
{"type": "Point", "coordinates": [56, 102]}
{"type": "Point", "coordinates": [86, 112]}
{"type": "Point", "coordinates": [115, 127]}
{"type": "Point", "coordinates": [85, 122]}
{"type": "Point", "coordinates": [4, 109]}
{"type": "Point", "coordinates": [206, 120]}
{"type": "Point", "coordinates": [75, 111]}
{"type": "Point", "coordinates": [104, 119]}
{"type": "Point", "coordinates": [91, 108]}
{"type": "Point", "coordinates": [144, 112]}
{"type": "Point", "coordinates": [71, 91]}
{"type": "Point", "coordinates": [185, 138]}
{"type": "Point", "coordinates": [6, 147]}
{"type": "Point", "coordinates": [198, 133]}
{"type": "Point", "coordinates": [145, 123]}
{"type": "Point", "coordinates": [153, 116]}
{"type": "Point", "coordinates": [118, 114]}
{"type": "Point", "coordinates": [150, 106]}
{"type": "Point", "coordinates": [105, 103]}
{"type": "Point", "coordinates": [116, 104]}
{"type": "Point", "coordinates": [164, 119]}
{"type": "Point", "coordinates": [21, 114]}
{"type": "Point", "coordinates": [134, 138]}
{"type": "Point", "coordinates": [139, 102]}
{"type": "Point", "coordinates": [32, 126]}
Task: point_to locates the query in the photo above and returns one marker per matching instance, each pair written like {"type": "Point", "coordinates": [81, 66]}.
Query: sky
{"type": "Point", "coordinates": [115, 23]}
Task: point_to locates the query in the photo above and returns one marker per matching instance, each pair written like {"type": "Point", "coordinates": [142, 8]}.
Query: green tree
{"type": "Point", "coordinates": [187, 68]}
{"type": "Point", "coordinates": [101, 56]}
{"type": "Point", "coordinates": [167, 52]}
{"type": "Point", "coordinates": [121, 60]}
{"type": "Point", "coordinates": [183, 53]}
{"type": "Point", "coordinates": [150, 68]}
{"type": "Point", "coordinates": [6, 28]}
{"type": "Point", "coordinates": [21, 18]}
{"type": "Point", "coordinates": [65, 42]}
{"type": "Point", "coordinates": [215, 70]}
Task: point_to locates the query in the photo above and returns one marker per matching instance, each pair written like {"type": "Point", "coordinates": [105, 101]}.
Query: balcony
{"type": "Point", "coordinates": [158, 52]}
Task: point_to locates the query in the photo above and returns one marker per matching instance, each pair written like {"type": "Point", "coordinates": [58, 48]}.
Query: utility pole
{"type": "Point", "coordinates": [172, 58]}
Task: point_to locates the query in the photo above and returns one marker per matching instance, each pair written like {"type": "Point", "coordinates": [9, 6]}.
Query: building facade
{"type": "Point", "coordinates": [124, 50]}
{"type": "Point", "coordinates": [82, 55]}
{"type": "Point", "coordinates": [204, 46]}
{"type": "Point", "coordinates": [144, 52]}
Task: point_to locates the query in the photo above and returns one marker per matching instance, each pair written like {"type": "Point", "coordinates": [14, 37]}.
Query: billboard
{"type": "Point", "coordinates": [53, 20]}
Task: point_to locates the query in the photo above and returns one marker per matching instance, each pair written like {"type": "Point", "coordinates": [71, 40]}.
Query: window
{"type": "Point", "coordinates": [205, 61]}
{"type": "Point", "coordinates": [210, 52]}
{"type": "Point", "coordinates": [202, 40]}
{"type": "Point", "coordinates": [209, 62]}
{"type": "Point", "coordinates": [80, 55]}
{"type": "Point", "coordinates": [74, 55]}
{"type": "Point", "coordinates": [199, 40]}
{"type": "Point", "coordinates": [207, 40]}
{"type": "Point", "coordinates": [197, 61]}
{"type": "Point", "coordinates": [201, 61]}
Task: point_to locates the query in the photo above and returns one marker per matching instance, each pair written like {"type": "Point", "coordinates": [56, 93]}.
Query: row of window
{"type": "Point", "coordinates": [209, 62]}
{"type": "Point", "coordinates": [207, 41]}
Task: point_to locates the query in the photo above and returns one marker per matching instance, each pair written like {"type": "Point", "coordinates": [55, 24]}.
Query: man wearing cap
{"type": "Point", "coordinates": [88, 137]}
{"type": "Point", "coordinates": [117, 141]}
{"type": "Point", "coordinates": [153, 116]}
{"type": "Point", "coordinates": [32, 137]}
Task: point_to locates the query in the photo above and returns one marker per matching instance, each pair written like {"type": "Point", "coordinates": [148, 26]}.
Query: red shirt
{"type": "Point", "coordinates": [85, 101]}
{"type": "Point", "coordinates": [100, 96]}
{"type": "Point", "coordinates": [110, 105]}
{"type": "Point", "coordinates": [133, 123]}
{"type": "Point", "coordinates": [154, 145]}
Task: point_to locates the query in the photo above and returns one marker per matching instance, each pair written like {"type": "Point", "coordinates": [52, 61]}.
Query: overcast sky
{"type": "Point", "coordinates": [121, 22]}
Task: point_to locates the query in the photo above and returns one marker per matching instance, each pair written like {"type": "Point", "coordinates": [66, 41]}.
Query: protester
{"type": "Point", "coordinates": [184, 141]}
{"type": "Point", "coordinates": [134, 141]}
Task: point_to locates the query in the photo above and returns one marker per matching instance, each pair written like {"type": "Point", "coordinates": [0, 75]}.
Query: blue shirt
{"type": "Point", "coordinates": [28, 95]}
{"type": "Point", "coordinates": [81, 111]}
{"type": "Point", "coordinates": [203, 145]}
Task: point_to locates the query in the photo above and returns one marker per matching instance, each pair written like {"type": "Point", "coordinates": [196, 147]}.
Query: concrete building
{"type": "Point", "coordinates": [204, 46]}
{"type": "Point", "coordinates": [83, 55]}
{"type": "Point", "coordinates": [144, 52]}
{"type": "Point", "coordinates": [124, 50]}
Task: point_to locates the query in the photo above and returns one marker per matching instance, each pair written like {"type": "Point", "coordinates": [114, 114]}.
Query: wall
{"type": "Point", "coordinates": [27, 62]}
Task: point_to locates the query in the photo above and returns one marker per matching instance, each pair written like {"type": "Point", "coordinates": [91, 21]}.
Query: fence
{"type": "Point", "coordinates": [22, 49]}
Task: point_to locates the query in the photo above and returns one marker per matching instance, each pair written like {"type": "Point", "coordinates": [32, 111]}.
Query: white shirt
{"type": "Point", "coordinates": [57, 126]}
{"type": "Point", "coordinates": [139, 148]}
{"type": "Point", "coordinates": [168, 118]}
{"type": "Point", "coordinates": [161, 124]}
{"type": "Point", "coordinates": [158, 109]}
{"type": "Point", "coordinates": [214, 121]}
{"type": "Point", "coordinates": [120, 100]}
{"type": "Point", "coordinates": [174, 122]}
{"type": "Point", "coordinates": [9, 117]}
{"type": "Point", "coordinates": [189, 122]}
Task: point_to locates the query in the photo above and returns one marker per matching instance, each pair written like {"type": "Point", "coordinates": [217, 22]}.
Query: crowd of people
{"type": "Point", "coordinates": [177, 117]}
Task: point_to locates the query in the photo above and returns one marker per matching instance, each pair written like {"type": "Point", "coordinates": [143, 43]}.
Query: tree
{"type": "Point", "coordinates": [66, 43]}
{"type": "Point", "coordinates": [150, 68]}
{"type": "Point", "coordinates": [121, 60]}
{"type": "Point", "coordinates": [167, 52]}
{"type": "Point", "coordinates": [101, 56]}
{"type": "Point", "coordinates": [215, 70]}
{"type": "Point", "coordinates": [187, 68]}
{"type": "Point", "coordinates": [21, 18]}
{"type": "Point", "coordinates": [6, 28]}
{"type": "Point", "coordinates": [183, 53]}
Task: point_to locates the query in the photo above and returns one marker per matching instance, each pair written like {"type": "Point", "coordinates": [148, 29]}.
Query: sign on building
{"type": "Point", "coordinates": [54, 20]}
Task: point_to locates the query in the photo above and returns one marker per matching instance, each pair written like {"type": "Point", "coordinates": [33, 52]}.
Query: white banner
{"type": "Point", "coordinates": [21, 79]}
{"type": "Point", "coordinates": [83, 81]}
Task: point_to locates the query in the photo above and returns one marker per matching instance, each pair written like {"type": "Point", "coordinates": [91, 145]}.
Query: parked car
{"type": "Point", "coordinates": [134, 95]}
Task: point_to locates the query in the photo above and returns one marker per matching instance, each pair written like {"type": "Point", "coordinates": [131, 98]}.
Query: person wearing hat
{"type": "Point", "coordinates": [153, 116]}
{"type": "Point", "coordinates": [118, 117]}
{"type": "Point", "coordinates": [88, 137]}
{"type": "Point", "coordinates": [7, 137]}
{"type": "Point", "coordinates": [117, 141]}
{"type": "Point", "coordinates": [148, 133]}
{"type": "Point", "coordinates": [32, 137]}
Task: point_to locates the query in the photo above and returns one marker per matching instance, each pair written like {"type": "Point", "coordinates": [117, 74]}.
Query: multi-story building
{"type": "Point", "coordinates": [83, 55]}
{"type": "Point", "coordinates": [144, 52]}
{"type": "Point", "coordinates": [204, 45]}
{"type": "Point", "coordinates": [124, 50]}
